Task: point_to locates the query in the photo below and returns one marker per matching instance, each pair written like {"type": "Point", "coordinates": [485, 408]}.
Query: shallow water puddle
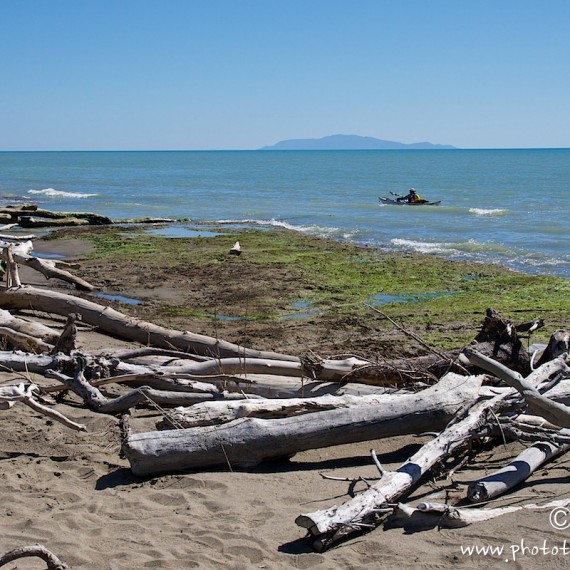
{"type": "Point", "coordinates": [45, 255]}
{"type": "Point", "coordinates": [227, 317]}
{"type": "Point", "coordinates": [181, 232]}
{"type": "Point", "coordinates": [309, 312]}
{"type": "Point", "coordinates": [119, 298]}
{"type": "Point", "coordinates": [384, 299]}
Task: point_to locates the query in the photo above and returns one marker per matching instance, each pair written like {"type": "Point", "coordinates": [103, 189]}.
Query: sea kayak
{"type": "Point", "coordinates": [394, 202]}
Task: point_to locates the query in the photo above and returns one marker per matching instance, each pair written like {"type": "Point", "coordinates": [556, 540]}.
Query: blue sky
{"type": "Point", "coordinates": [240, 74]}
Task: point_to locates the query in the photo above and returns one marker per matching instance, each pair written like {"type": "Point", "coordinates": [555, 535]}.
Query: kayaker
{"type": "Point", "coordinates": [411, 197]}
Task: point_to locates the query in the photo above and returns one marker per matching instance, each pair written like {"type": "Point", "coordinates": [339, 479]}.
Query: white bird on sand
{"type": "Point", "coordinates": [236, 249]}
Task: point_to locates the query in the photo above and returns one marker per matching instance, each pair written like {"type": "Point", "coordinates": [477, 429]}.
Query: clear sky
{"type": "Point", "coordinates": [241, 74]}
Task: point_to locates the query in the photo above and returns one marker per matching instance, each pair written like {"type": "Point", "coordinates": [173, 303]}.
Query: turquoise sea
{"type": "Point", "coordinates": [507, 207]}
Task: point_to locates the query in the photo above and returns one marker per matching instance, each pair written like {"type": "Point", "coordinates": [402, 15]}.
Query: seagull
{"type": "Point", "coordinates": [236, 249]}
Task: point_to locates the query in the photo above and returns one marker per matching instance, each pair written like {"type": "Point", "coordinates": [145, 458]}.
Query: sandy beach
{"type": "Point", "coordinates": [71, 492]}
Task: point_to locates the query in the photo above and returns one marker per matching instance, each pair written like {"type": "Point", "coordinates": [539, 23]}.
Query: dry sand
{"type": "Point", "coordinates": [72, 492]}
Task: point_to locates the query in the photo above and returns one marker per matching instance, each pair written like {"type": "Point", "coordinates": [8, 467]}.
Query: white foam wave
{"type": "Point", "coordinates": [462, 248]}
{"type": "Point", "coordinates": [60, 194]}
{"type": "Point", "coordinates": [313, 229]}
{"type": "Point", "coordinates": [472, 246]}
{"type": "Point", "coordinates": [485, 212]}
{"type": "Point", "coordinates": [421, 246]}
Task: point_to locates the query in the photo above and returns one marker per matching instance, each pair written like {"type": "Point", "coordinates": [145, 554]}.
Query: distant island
{"type": "Point", "coordinates": [351, 142]}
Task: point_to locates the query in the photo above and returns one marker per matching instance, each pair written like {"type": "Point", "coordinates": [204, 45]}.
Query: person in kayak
{"type": "Point", "coordinates": [412, 197]}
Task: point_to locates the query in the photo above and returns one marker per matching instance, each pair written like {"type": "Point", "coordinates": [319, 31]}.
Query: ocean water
{"type": "Point", "coordinates": [506, 207]}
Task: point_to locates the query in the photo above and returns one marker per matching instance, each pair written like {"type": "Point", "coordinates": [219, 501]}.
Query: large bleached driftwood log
{"type": "Point", "coordinates": [215, 413]}
{"type": "Point", "coordinates": [329, 370]}
{"type": "Point", "coordinates": [249, 441]}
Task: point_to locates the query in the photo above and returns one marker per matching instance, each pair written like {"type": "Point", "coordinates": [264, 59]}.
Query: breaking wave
{"type": "Point", "coordinates": [468, 247]}
{"type": "Point", "coordinates": [60, 194]}
{"type": "Point", "coordinates": [487, 212]}
{"type": "Point", "coordinates": [421, 246]}
{"type": "Point", "coordinates": [313, 229]}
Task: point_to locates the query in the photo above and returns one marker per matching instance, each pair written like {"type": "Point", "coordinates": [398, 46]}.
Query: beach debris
{"type": "Point", "coordinates": [66, 343]}
{"type": "Point", "coordinates": [558, 414]}
{"type": "Point", "coordinates": [336, 522]}
{"type": "Point", "coordinates": [236, 249]}
{"type": "Point", "coordinates": [11, 269]}
{"type": "Point", "coordinates": [52, 561]}
{"type": "Point", "coordinates": [215, 413]}
{"type": "Point", "coordinates": [492, 389]}
{"type": "Point", "coordinates": [9, 395]}
{"type": "Point", "coordinates": [443, 515]}
{"type": "Point", "coordinates": [20, 252]}
{"type": "Point", "coordinates": [517, 471]}
{"type": "Point", "coordinates": [30, 216]}
{"type": "Point", "coordinates": [27, 328]}
{"type": "Point", "coordinates": [115, 322]}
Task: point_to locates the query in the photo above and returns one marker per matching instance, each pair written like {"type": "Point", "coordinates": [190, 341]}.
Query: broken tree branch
{"type": "Point", "coordinates": [554, 412]}
{"type": "Point", "coordinates": [52, 561]}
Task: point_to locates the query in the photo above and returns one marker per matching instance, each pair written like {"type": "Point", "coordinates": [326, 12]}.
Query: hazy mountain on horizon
{"type": "Point", "coordinates": [350, 142]}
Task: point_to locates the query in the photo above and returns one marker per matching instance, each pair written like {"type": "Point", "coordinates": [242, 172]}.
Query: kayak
{"type": "Point", "coordinates": [395, 202]}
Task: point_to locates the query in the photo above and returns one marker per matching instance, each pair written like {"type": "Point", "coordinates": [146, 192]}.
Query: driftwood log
{"type": "Point", "coordinates": [443, 515]}
{"type": "Point", "coordinates": [19, 252]}
{"type": "Point", "coordinates": [247, 442]}
{"type": "Point", "coordinates": [9, 395]}
{"type": "Point", "coordinates": [215, 413]}
{"type": "Point", "coordinates": [57, 269]}
{"type": "Point", "coordinates": [179, 378]}
{"type": "Point", "coordinates": [515, 472]}
{"type": "Point", "coordinates": [27, 327]}
{"type": "Point", "coordinates": [29, 215]}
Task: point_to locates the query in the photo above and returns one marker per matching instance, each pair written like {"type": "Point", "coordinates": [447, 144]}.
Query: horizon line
{"type": "Point", "coordinates": [269, 150]}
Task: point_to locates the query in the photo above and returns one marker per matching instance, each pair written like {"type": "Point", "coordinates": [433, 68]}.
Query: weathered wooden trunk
{"type": "Point", "coordinates": [249, 441]}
